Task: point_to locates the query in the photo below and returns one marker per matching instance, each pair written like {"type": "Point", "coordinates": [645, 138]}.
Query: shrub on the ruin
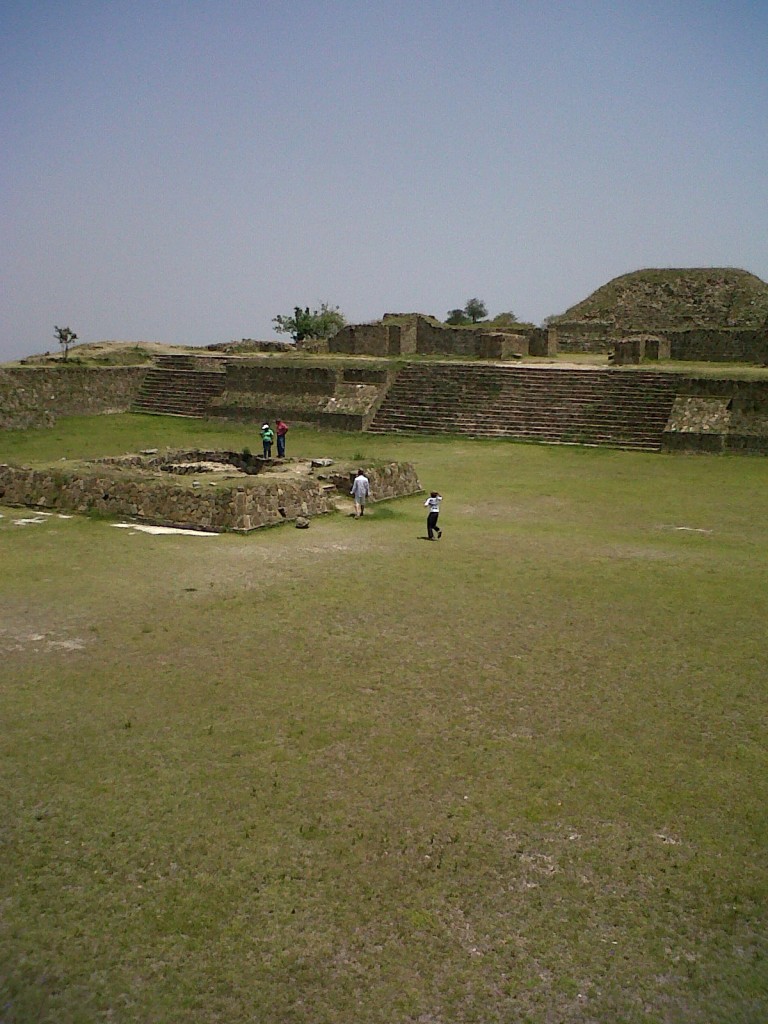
{"type": "Point", "coordinates": [319, 323]}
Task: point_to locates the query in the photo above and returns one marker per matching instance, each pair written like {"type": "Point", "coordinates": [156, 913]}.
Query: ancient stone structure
{"type": "Point", "coordinates": [379, 339]}
{"type": "Point", "coordinates": [623, 407]}
{"type": "Point", "coordinates": [719, 416]}
{"type": "Point", "coordinates": [402, 334]}
{"type": "Point", "coordinates": [547, 404]}
{"type": "Point", "coordinates": [339, 397]}
{"type": "Point", "coordinates": [630, 408]}
{"type": "Point", "coordinates": [713, 313]}
{"type": "Point", "coordinates": [642, 346]}
{"type": "Point", "coordinates": [206, 490]}
{"type": "Point", "coordinates": [32, 396]}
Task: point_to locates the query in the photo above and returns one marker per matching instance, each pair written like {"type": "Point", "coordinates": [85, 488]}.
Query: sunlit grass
{"type": "Point", "coordinates": [346, 775]}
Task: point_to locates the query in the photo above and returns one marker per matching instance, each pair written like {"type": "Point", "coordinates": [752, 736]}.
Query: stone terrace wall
{"type": "Point", "coordinates": [432, 340]}
{"type": "Point", "coordinates": [394, 480]}
{"type": "Point", "coordinates": [696, 344]}
{"type": "Point", "coordinates": [290, 380]}
{"type": "Point", "coordinates": [257, 501]}
{"type": "Point", "coordinates": [421, 336]}
{"type": "Point", "coordinates": [364, 375]}
{"type": "Point", "coordinates": [498, 345]}
{"type": "Point", "coordinates": [576, 337]}
{"type": "Point", "coordinates": [367, 340]}
{"type": "Point", "coordinates": [244, 507]}
{"type": "Point", "coordinates": [37, 396]}
{"type": "Point", "coordinates": [712, 415]}
{"type": "Point", "coordinates": [733, 346]}
{"type": "Point", "coordinates": [542, 342]}
{"type": "Point", "coordinates": [341, 398]}
{"type": "Point", "coordinates": [414, 334]}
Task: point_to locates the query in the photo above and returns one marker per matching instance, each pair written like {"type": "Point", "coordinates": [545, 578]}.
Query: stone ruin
{"type": "Point", "coordinates": [402, 334]}
{"type": "Point", "coordinates": [199, 489]}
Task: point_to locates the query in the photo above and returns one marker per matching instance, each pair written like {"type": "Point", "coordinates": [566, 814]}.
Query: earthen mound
{"type": "Point", "coordinates": [674, 299]}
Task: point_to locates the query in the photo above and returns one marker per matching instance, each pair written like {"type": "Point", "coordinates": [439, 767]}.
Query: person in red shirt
{"type": "Point", "coordinates": [281, 429]}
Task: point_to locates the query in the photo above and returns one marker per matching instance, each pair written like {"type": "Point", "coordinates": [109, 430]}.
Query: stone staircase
{"type": "Point", "coordinates": [173, 388]}
{"type": "Point", "coordinates": [623, 409]}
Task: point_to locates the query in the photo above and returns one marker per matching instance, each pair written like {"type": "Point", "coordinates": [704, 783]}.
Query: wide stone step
{"type": "Point", "coordinates": [591, 437]}
{"type": "Point", "coordinates": [491, 392]}
{"type": "Point", "coordinates": [172, 388]}
{"type": "Point", "coordinates": [650, 444]}
{"type": "Point", "coordinates": [530, 425]}
{"type": "Point", "coordinates": [497, 407]}
{"type": "Point", "coordinates": [539, 404]}
{"type": "Point", "coordinates": [169, 407]}
{"type": "Point", "coordinates": [541, 412]}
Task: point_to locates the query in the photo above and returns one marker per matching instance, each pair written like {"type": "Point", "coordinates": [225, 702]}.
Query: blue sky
{"type": "Point", "coordinates": [183, 171]}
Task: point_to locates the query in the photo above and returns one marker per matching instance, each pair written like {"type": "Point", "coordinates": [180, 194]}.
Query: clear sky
{"type": "Point", "coordinates": [183, 170]}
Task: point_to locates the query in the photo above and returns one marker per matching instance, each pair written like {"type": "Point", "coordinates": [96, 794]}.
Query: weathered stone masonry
{"type": "Point", "coordinates": [37, 396]}
{"type": "Point", "coordinates": [138, 488]}
{"type": "Point", "coordinates": [704, 344]}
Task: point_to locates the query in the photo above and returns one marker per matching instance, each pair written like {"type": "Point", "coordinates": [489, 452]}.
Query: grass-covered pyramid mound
{"type": "Point", "coordinates": [674, 299]}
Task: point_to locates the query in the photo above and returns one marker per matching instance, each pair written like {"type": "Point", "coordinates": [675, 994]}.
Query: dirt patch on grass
{"type": "Point", "coordinates": [33, 630]}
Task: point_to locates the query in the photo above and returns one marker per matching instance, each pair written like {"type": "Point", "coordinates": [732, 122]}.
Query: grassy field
{"type": "Point", "coordinates": [344, 775]}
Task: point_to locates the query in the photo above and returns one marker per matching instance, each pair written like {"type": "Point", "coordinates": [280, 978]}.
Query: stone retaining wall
{"type": "Point", "coordinates": [367, 340]}
{"type": "Point", "coordinates": [635, 350]}
{"type": "Point", "coordinates": [731, 346]}
{"type": "Point", "coordinates": [162, 502]}
{"type": "Point", "coordinates": [340, 398]}
{"type": "Point", "coordinates": [711, 415]}
{"type": "Point", "coordinates": [414, 334]}
{"type": "Point", "coordinates": [693, 345]}
{"type": "Point", "coordinates": [393, 480]}
{"type": "Point", "coordinates": [32, 396]}
{"type": "Point", "coordinates": [291, 380]}
{"type": "Point", "coordinates": [118, 488]}
{"type": "Point", "coordinates": [500, 345]}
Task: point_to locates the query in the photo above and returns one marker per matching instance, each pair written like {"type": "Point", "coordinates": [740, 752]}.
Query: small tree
{"type": "Point", "coordinates": [65, 337]}
{"type": "Point", "coordinates": [507, 319]}
{"type": "Point", "coordinates": [456, 317]}
{"type": "Point", "coordinates": [475, 310]}
{"type": "Point", "coordinates": [320, 323]}
{"type": "Point", "coordinates": [328, 321]}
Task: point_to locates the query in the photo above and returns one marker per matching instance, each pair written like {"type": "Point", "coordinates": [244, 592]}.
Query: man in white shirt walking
{"type": "Point", "coordinates": [361, 491]}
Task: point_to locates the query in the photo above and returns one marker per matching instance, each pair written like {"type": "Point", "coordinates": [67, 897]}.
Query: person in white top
{"type": "Point", "coordinates": [433, 504]}
{"type": "Point", "coordinates": [361, 491]}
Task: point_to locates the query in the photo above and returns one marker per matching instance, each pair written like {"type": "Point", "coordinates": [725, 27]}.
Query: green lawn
{"type": "Point", "coordinates": [344, 776]}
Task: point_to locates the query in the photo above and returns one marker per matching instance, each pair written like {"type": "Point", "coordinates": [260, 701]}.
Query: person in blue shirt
{"type": "Point", "coordinates": [267, 437]}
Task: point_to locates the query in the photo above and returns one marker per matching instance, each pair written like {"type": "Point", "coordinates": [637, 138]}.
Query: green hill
{"type": "Point", "coordinates": [674, 299]}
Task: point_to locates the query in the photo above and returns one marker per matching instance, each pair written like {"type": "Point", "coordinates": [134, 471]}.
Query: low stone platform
{"type": "Point", "coordinates": [199, 489]}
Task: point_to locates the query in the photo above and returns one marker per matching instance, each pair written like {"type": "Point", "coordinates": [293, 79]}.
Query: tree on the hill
{"type": "Point", "coordinates": [456, 317]}
{"type": "Point", "coordinates": [65, 337]}
{"type": "Point", "coordinates": [319, 323]}
{"type": "Point", "coordinates": [475, 309]}
{"type": "Point", "coordinates": [507, 319]}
